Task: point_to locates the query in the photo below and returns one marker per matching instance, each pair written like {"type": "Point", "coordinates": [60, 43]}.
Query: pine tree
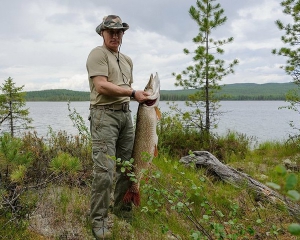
{"type": "Point", "coordinates": [291, 39]}
{"type": "Point", "coordinates": [292, 51]}
{"type": "Point", "coordinates": [13, 115]}
{"type": "Point", "coordinates": [205, 75]}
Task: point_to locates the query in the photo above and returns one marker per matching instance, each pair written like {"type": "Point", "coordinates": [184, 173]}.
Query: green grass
{"type": "Point", "coordinates": [177, 202]}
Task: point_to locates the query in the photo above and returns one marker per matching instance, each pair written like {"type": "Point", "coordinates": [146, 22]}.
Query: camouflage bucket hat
{"type": "Point", "coordinates": [111, 22]}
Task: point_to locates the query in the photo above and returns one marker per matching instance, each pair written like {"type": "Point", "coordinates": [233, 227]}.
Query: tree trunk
{"type": "Point", "coordinates": [239, 179]}
{"type": "Point", "coordinates": [11, 119]}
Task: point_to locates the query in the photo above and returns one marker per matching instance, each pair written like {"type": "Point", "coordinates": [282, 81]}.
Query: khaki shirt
{"type": "Point", "coordinates": [102, 62]}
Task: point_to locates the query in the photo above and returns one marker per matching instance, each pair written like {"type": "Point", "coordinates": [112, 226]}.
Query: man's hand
{"type": "Point", "coordinates": [141, 96]}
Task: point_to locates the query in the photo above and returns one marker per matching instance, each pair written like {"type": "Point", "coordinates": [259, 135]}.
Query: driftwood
{"type": "Point", "coordinates": [239, 179]}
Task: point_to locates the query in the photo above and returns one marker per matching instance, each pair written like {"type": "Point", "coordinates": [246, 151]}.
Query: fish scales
{"type": "Point", "coordinates": [146, 139]}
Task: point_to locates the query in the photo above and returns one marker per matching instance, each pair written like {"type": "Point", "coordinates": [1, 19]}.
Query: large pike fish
{"type": "Point", "coordinates": [145, 142]}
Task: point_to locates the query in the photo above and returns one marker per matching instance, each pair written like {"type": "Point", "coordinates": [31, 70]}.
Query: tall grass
{"type": "Point", "coordinates": [178, 202]}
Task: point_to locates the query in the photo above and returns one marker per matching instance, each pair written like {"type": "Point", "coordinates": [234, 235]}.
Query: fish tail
{"type": "Point", "coordinates": [133, 195]}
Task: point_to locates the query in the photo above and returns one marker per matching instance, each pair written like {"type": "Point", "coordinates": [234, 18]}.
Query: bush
{"type": "Point", "coordinates": [177, 140]}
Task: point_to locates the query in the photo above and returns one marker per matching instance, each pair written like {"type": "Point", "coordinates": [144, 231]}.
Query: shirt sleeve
{"type": "Point", "coordinates": [97, 63]}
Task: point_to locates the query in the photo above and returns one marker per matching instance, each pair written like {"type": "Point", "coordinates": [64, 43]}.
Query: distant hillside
{"type": "Point", "coordinates": [252, 91]}
{"type": "Point", "coordinates": [237, 91]}
{"type": "Point", "coordinates": [57, 95]}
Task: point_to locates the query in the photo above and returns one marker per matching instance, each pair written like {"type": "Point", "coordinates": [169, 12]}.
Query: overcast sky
{"type": "Point", "coordinates": [45, 43]}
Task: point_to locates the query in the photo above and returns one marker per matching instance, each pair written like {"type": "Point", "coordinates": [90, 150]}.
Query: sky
{"type": "Point", "coordinates": [44, 44]}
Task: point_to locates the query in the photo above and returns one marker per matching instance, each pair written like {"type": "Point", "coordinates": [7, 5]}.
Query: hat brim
{"type": "Point", "coordinates": [101, 27]}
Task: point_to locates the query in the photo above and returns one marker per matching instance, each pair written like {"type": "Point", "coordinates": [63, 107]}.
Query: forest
{"type": "Point", "coordinates": [237, 91]}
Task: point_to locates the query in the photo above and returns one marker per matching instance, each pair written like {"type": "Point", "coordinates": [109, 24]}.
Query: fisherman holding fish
{"type": "Point", "coordinates": [111, 127]}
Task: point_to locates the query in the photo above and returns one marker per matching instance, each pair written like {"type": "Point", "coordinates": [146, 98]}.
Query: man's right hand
{"type": "Point", "coordinates": [141, 96]}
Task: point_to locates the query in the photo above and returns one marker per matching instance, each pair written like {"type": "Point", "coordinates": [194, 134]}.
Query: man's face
{"type": "Point", "coordinates": [113, 38]}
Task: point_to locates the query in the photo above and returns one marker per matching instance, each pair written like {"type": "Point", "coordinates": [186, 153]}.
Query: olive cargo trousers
{"type": "Point", "coordinates": [112, 135]}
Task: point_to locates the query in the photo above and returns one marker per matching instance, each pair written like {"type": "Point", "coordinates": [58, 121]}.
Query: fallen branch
{"type": "Point", "coordinates": [239, 179]}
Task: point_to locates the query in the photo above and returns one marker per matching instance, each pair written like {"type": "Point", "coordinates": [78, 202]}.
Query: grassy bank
{"type": "Point", "coordinates": [45, 186]}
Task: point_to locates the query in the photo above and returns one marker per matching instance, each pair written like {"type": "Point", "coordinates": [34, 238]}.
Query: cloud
{"type": "Point", "coordinates": [77, 81]}
{"type": "Point", "coordinates": [45, 44]}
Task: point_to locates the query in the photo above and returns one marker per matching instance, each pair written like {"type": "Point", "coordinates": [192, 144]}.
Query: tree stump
{"type": "Point", "coordinates": [239, 179]}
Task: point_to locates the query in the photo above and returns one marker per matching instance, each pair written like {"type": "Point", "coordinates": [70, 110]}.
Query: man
{"type": "Point", "coordinates": [110, 79]}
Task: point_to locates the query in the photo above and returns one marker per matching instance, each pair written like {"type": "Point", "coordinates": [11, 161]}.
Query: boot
{"type": "Point", "coordinates": [102, 233]}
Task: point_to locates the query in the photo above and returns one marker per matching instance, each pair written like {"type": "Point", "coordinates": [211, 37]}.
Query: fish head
{"type": "Point", "coordinates": [153, 88]}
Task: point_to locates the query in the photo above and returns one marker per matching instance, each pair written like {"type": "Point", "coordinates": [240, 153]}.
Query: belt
{"type": "Point", "coordinates": [113, 107]}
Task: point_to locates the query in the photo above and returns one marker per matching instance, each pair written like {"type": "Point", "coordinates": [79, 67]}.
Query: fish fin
{"type": "Point", "coordinates": [155, 151]}
{"type": "Point", "coordinates": [158, 113]}
{"type": "Point", "coordinates": [132, 195]}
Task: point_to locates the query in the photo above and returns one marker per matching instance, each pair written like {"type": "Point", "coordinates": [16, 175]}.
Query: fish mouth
{"type": "Point", "coordinates": [152, 88]}
{"type": "Point", "coordinates": [150, 103]}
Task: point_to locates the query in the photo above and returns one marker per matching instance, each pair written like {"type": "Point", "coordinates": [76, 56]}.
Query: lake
{"type": "Point", "coordinates": [260, 119]}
